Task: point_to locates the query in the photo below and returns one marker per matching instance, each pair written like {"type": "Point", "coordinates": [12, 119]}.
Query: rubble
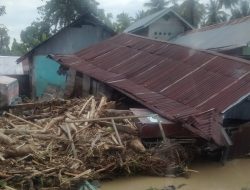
{"type": "Point", "coordinates": [60, 143]}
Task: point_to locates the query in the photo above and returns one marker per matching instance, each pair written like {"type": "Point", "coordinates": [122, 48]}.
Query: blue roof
{"type": "Point", "coordinates": [146, 21]}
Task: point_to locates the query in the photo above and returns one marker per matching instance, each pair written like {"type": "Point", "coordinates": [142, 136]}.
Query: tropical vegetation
{"type": "Point", "coordinates": [56, 14]}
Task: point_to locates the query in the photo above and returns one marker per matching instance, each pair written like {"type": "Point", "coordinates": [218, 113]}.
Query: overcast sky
{"type": "Point", "coordinates": [20, 13]}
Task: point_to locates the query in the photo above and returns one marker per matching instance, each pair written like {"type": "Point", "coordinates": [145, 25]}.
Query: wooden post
{"type": "Point", "coordinates": [85, 105]}
{"type": "Point", "coordinates": [110, 118]}
{"type": "Point", "coordinates": [116, 132]}
{"type": "Point", "coordinates": [23, 120]}
{"type": "Point", "coordinates": [162, 133]}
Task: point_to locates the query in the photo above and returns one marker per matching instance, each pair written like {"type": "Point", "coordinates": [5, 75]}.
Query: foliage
{"type": "Point", "coordinates": [105, 18]}
{"type": "Point", "coordinates": [60, 13]}
{"type": "Point", "coordinates": [228, 3]}
{"type": "Point", "coordinates": [156, 5]}
{"type": "Point", "coordinates": [18, 49]}
{"type": "Point", "coordinates": [242, 10]}
{"type": "Point", "coordinates": [214, 13]}
{"type": "Point", "coordinates": [34, 34]}
{"type": "Point", "coordinates": [193, 11]}
{"type": "Point", "coordinates": [2, 10]}
{"type": "Point", "coordinates": [4, 41]}
{"type": "Point", "coordinates": [141, 14]}
{"type": "Point", "coordinates": [123, 21]}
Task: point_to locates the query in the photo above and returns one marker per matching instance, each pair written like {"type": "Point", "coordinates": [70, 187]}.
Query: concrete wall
{"type": "Point", "coordinates": [43, 71]}
{"type": "Point", "coordinates": [73, 39]}
{"type": "Point", "coordinates": [45, 76]}
{"type": "Point", "coordinates": [166, 28]}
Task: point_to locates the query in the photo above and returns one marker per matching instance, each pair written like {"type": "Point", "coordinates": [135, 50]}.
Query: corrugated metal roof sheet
{"type": "Point", "coordinates": [9, 66]}
{"type": "Point", "coordinates": [227, 35]}
{"type": "Point", "coordinates": [178, 83]}
{"type": "Point", "coordinates": [145, 22]}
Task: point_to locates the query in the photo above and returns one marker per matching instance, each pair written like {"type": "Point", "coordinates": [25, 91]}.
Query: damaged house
{"type": "Point", "coordinates": [83, 32]}
{"type": "Point", "coordinates": [230, 37]}
{"type": "Point", "coordinates": [201, 94]}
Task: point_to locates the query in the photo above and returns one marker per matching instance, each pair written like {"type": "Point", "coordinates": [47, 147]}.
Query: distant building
{"type": "Point", "coordinates": [9, 67]}
{"type": "Point", "coordinates": [230, 38]}
{"type": "Point", "coordinates": [82, 33]}
{"type": "Point", "coordinates": [163, 25]}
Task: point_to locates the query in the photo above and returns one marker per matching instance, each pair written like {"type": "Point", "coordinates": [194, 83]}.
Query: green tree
{"type": "Point", "coordinates": [214, 13]}
{"type": "Point", "coordinates": [242, 10]}
{"type": "Point", "coordinates": [60, 13]}
{"type": "Point", "coordinates": [2, 10]}
{"type": "Point", "coordinates": [105, 18]}
{"type": "Point", "coordinates": [141, 14]}
{"type": "Point", "coordinates": [193, 11]}
{"type": "Point", "coordinates": [123, 20]}
{"type": "Point", "coordinates": [156, 5]}
{"type": "Point", "coordinates": [18, 49]}
{"type": "Point", "coordinates": [34, 34]}
{"type": "Point", "coordinates": [4, 41]}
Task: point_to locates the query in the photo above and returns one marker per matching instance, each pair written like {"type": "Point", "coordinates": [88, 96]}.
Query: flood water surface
{"type": "Point", "coordinates": [234, 175]}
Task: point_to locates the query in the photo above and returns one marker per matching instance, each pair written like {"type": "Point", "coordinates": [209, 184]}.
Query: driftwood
{"type": "Point", "coordinates": [79, 139]}
{"type": "Point", "coordinates": [21, 119]}
{"type": "Point", "coordinates": [4, 139]}
{"type": "Point", "coordinates": [13, 152]}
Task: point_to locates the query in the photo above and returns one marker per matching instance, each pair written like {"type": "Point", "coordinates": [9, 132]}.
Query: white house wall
{"type": "Point", "coordinates": [166, 29]}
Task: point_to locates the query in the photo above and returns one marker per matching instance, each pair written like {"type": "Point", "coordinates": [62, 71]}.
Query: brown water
{"type": "Point", "coordinates": [235, 175]}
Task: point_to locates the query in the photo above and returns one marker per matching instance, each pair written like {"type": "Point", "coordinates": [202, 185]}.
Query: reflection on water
{"type": "Point", "coordinates": [235, 175]}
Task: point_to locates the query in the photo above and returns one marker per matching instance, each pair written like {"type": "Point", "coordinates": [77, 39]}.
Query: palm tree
{"type": "Point", "coordinates": [123, 20]}
{"type": "Point", "coordinates": [141, 14]}
{"type": "Point", "coordinates": [192, 11]}
{"type": "Point", "coordinates": [242, 10]}
{"type": "Point", "coordinates": [228, 3]}
{"type": "Point", "coordinates": [156, 5]}
{"type": "Point", "coordinates": [214, 13]}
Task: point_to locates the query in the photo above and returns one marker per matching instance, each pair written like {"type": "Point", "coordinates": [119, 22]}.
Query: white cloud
{"type": "Point", "coordinates": [115, 6]}
{"type": "Point", "coordinates": [20, 14]}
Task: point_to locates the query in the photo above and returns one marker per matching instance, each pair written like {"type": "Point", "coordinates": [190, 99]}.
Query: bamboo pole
{"type": "Point", "coordinates": [162, 133]}
{"type": "Point", "coordinates": [21, 119]}
{"type": "Point", "coordinates": [71, 142]}
{"type": "Point", "coordinates": [116, 132]}
{"type": "Point", "coordinates": [110, 118]}
{"type": "Point", "coordinates": [85, 105]}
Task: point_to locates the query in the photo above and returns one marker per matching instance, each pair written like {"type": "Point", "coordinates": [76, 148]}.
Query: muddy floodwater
{"type": "Point", "coordinates": [235, 175]}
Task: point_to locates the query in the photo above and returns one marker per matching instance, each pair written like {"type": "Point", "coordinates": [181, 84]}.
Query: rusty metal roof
{"type": "Point", "coordinates": [176, 82]}
{"type": "Point", "coordinates": [223, 36]}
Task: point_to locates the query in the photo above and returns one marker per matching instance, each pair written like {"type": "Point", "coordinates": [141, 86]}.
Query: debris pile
{"type": "Point", "coordinates": [61, 143]}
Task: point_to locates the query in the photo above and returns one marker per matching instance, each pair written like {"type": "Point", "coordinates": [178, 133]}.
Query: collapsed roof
{"type": "Point", "coordinates": [184, 85]}
{"type": "Point", "coordinates": [223, 36]}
